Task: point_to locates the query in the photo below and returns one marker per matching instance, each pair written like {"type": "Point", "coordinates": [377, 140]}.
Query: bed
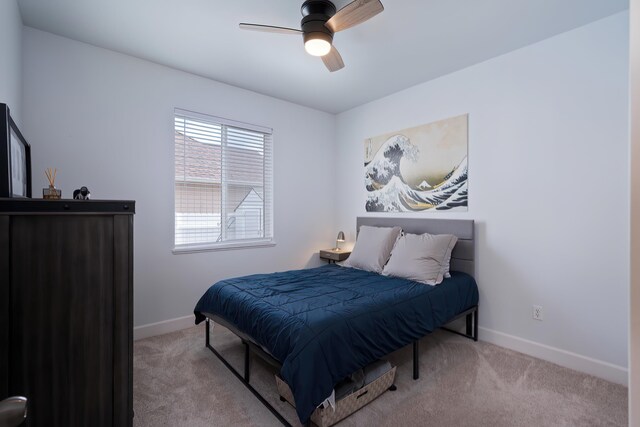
{"type": "Point", "coordinates": [319, 325]}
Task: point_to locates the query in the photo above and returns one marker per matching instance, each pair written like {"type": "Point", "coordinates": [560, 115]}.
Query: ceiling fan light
{"type": "Point", "coordinates": [317, 47]}
{"type": "Point", "coordinates": [317, 43]}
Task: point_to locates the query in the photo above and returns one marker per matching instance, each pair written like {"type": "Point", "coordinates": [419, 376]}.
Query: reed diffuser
{"type": "Point", "coordinates": [51, 193]}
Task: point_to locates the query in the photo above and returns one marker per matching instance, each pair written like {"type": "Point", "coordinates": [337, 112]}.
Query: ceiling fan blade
{"type": "Point", "coordinates": [333, 60]}
{"type": "Point", "coordinates": [269, 28]}
{"type": "Point", "coordinates": [353, 14]}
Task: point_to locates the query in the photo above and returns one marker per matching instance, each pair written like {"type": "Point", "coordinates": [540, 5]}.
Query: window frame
{"type": "Point", "coordinates": [267, 182]}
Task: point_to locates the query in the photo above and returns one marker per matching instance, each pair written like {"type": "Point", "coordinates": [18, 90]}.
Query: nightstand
{"type": "Point", "coordinates": [332, 256]}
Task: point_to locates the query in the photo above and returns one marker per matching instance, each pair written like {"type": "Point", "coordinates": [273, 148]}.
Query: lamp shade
{"type": "Point", "coordinates": [340, 237]}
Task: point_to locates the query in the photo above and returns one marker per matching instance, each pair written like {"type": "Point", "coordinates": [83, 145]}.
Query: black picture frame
{"type": "Point", "coordinates": [15, 158]}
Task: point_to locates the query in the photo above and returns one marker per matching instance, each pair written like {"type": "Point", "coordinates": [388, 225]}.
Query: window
{"type": "Point", "coordinates": [223, 183]}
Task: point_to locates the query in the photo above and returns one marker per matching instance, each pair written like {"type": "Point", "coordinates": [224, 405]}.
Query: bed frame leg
{"type": "Point", "coordinates": [416, 360]}
{"type": "Point", "coordinates": [247, 361]}
{"type": "Point", "coordinates": [469, 318]}
{"type": "Point", "coordinates": [206, 332]}
{"type": "Point", "coordinates": [475, 325]}
{"type": "Point", "coordinates": [244, 379]}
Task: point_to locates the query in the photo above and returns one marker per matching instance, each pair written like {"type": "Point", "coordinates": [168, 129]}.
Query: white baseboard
{"type": "Point", "coordinates": [164, 327]}
{"type": "Point", "coordinates": [595, 367]}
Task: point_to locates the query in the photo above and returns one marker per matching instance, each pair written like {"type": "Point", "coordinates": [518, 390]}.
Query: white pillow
{"type": "Point", "coordinates": [373, 248]}
{"type": "Point", "coordinates": [421, 257]}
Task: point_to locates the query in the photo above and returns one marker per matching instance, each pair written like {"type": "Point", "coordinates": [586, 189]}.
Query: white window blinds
{"type": "Point", "coordinates": [223, 182]}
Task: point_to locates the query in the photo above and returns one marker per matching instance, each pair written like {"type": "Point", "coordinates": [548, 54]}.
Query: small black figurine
{"type": "Point", "coordinates": [82, 194]}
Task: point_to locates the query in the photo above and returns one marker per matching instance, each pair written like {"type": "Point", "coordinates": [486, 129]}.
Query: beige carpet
{"type": "Point", "coordinates": [178, 382]}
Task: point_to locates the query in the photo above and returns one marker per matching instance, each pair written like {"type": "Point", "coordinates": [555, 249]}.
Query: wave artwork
{"type": "Point", "coordinates": [418, 169]}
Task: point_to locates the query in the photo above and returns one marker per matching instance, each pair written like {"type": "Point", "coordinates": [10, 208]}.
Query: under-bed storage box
{"type": "Point", "coordinates": [324, 417]}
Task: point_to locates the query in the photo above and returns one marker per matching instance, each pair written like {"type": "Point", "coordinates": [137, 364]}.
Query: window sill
{"type": "Point", "coordinates": [222, 246]}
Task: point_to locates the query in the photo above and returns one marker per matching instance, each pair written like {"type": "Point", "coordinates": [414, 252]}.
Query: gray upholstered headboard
{"type": "Point", "coordinates": [463, 256]}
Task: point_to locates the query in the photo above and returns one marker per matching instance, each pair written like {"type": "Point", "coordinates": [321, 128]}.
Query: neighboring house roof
{"type": "Point", "coordinates": [249, 200]}
{"type": "Point", "coordinates": [204, 162]}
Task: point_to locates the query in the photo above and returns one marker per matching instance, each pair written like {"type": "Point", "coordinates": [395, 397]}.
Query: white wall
{"type": "Point", "coordinates": [634, 344]}
{"type": "Point", "coordinates": [105, 120]}
{"type": "Point", "coordinates": [11, 58]}
{"type": "Point", "coordinates": [548, 188]}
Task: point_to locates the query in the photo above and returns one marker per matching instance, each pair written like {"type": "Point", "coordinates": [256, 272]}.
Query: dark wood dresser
{"type": "Point", "coordinates": [66, 310]}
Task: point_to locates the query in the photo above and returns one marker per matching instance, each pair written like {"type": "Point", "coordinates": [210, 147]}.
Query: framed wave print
{"type": "Point", "coordinates": [418, 169]}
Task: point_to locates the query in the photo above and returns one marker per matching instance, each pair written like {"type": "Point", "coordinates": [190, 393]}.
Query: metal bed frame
{"type": "Point", "coordinates": [462, 259]}
{"type": "Point", "coordinates": [254, 349]}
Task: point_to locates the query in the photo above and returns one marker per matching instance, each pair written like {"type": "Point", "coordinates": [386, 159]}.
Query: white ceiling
{"type": "Point", "coordinates": [412, 41]}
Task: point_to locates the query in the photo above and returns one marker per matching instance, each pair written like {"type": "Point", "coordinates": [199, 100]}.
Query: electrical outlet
{"type": "Point", "coordinates": [538, 314]}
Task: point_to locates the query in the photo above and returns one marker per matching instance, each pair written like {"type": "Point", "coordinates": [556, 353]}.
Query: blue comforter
{"type": "Point", "coordinates": [324, 323]}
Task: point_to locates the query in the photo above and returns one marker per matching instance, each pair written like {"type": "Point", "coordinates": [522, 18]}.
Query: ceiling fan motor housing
{"type": "Point", "coordinates": [315, 14]}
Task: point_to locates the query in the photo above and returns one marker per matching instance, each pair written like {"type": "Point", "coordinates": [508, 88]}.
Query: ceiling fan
{"type": "Point", "coordinates": [320, 21]}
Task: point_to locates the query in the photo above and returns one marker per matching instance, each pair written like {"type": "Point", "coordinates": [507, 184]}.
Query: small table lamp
{"type": "Point", "coordinates": [339, 239]}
